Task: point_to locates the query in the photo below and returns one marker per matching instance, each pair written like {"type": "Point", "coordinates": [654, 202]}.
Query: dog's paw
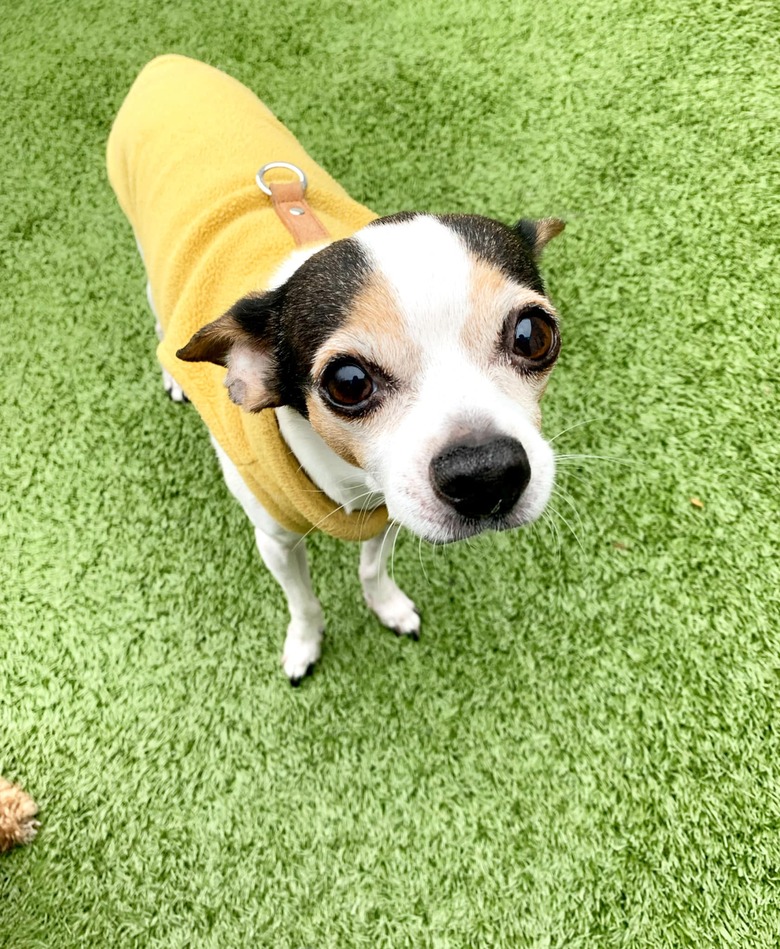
{"type": "Point", "coordinates": [396, 611]}
{"type": "Point", "coordinates": [300, 655]}
{"type": "Point", "coordinates": [17, 816]}
{"type": "Point", "coordinates": [173, 388]}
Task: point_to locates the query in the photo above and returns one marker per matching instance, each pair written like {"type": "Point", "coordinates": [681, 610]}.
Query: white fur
{"type": "Point", "coordinates": [351, 487]}
{"type": "Point", "coordinates": [428, 269]}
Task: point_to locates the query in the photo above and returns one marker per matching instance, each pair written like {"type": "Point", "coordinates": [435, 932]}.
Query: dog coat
{"type": "Point", "coordinates": [182, 158]}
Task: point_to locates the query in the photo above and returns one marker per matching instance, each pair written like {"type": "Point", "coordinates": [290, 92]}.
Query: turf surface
{"type": "Point", "coordinates": [584, 748]}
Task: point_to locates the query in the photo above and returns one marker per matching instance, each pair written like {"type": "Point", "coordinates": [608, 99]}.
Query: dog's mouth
{"type": "Point", "coordinates": [468, 529]}
{"type": "Point", "coordinates": [452, 527]}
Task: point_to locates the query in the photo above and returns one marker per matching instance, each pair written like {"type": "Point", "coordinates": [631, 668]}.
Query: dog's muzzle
{"type": "Point", "coordinates": [481, 480]}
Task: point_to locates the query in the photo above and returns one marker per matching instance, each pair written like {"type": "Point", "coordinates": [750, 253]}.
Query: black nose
{"type": "Point", "coordinates": [480, 480]}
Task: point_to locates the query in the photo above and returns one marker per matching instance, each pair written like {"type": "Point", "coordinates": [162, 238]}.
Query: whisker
{"type": "Point", "coordinates": [565, 496]}
{"type": "Point", "coordinates": [577, 457]}
{"type": "Point", "coordinates": [388, 531]}
{"type": "Point", "coordinates": [587, 421]}
{"type": "Point", "coordinates": [340, 483]}
{"type": "Point", "coordinates": [577, 477]}
{"type": "Point", "coordinates": [341, 507]}
{"type": "Point", "coordinates": [574, 533]}
{"type": "Point", "coordinates": [419, 555]}
{"type": "Point", "coordinates": [363, 518]}
{"type": "Point", "coordinates": [556, 535]}
{"type": "Point", "coordinates": [392, 555]}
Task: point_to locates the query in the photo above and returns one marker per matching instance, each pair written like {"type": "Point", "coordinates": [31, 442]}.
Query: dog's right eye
{"type": "Point", "coordinates": [347, 384]}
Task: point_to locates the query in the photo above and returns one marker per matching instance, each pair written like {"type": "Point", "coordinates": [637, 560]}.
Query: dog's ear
{"type": "Point", "coordinates": [538, 233]}
{"type": "Point", "coordinates": [242, 340]}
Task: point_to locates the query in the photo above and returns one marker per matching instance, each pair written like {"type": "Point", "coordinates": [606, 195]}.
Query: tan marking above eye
{"type": "Point", "coordinates": [374, 331]}
{"type": "Point", "coordinates": [493, 295]}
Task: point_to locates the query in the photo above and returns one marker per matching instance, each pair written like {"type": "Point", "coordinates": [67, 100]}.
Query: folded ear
{"type": "Point", "coordinates": [537, 233]}
{"type": "Point", "coordinates": [242, 340]}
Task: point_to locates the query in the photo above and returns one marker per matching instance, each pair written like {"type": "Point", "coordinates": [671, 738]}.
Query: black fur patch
{"type": "Point", "coordinates": [400, 217]}
{"type": "Point", "coordinates": [505, 247]}
{"type": "Point", "coordinates": [289, 323]}
{"type": "Point", "coordinates": [527, 231]}
{"type": "Point", "coordinates": [316, 301]}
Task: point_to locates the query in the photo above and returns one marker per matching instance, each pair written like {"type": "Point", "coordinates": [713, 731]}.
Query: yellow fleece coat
{"type": "Point", "coordinates": [182, 158]}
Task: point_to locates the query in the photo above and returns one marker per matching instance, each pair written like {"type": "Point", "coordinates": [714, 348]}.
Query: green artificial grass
{"type": "Point", "coordinates": [583, 750]}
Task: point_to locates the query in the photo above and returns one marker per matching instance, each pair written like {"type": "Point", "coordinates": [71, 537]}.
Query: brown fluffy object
{"type": "Point", "coordinates": [17, 813]}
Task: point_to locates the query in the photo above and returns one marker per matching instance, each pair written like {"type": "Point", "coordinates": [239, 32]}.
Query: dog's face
{"type": "Point", "coordinates": [418, 349]}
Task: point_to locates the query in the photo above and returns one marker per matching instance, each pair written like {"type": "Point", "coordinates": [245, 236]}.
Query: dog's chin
{"type": "Point", "coordinates": [452, 527]}
{"type": "Point", "coordinates": [466, 528]}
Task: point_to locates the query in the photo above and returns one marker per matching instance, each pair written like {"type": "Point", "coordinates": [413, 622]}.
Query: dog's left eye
{"type": "Point", "coordinates": [347, 384]}
{"type": "Point", "coordinates": [534, 337]}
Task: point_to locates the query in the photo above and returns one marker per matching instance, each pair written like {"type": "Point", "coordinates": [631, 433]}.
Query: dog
{"type": "Point", "coordinates": [394, 364]}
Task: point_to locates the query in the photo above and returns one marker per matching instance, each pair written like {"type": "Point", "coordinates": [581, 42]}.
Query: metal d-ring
{"type": "Point", "coordinates": [260, 176]}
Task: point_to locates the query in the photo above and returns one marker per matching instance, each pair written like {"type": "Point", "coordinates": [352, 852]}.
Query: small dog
{"type": "Point", "coordinates": [404, 359]}
{"type": "Point", "coordinates": [421, 392]}
{"type": "Point", "coordinates": [17, 816]}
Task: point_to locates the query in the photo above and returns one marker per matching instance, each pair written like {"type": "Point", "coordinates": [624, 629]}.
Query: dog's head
{"type": "Point", "coordinates": [418, 349]}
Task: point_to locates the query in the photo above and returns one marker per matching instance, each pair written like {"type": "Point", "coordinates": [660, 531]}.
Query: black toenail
{"type": "Point", "coordinates": [414, 634]}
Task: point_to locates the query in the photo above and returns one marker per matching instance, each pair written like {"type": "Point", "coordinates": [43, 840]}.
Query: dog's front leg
{"type": "Point", "coordinates": [284, 554]}
{"type": "Point", "coordinates": [392, 606]}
